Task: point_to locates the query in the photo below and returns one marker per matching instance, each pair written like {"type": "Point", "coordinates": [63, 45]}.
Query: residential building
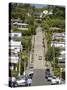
{"type": "Point", "coordinates": [20, 26]}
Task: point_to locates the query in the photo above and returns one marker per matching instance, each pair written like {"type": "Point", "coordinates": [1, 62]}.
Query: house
{"type": "Point", "coordinates": [50, 12]}
{"type": "Point", "coordinates": [58, 36]}
{"type": "Point", "coordinates": [58, 44]}
{"type": "Point", "coordinates": [61, 60]}
{"type": "Point", "coordinates": [18, 20]}
{"type": "Point", "coordinates": [14, 48]}
{"type": "Point", "coordinates": [45, 12]}
{"type": "Point", "coordinates": [15, 43]}
{"type": "Point", "coordinates": [20, 26]}
{"type": "Point", "coordinates": [15, 35]}
{"type": "Point", "coordinates": [38, 15]}
{"type": "Point", "coordinates": [62, 52]}
{"type": "Point", "coordinates": [13, 60]}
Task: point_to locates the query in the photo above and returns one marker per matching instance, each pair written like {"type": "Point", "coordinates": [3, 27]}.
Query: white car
{"type": "Point", "coordinates": [53, 80]}
{"type": "Point", "coordinates": [58, 80]}
{"type": "Point", "coordinates": [49, 78]}
{"type": "Point", "coordinates": [21, 81]}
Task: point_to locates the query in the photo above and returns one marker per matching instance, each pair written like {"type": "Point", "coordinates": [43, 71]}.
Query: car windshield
{"type": "Point", "coordinates": [54, 77]}
{"type": "Point", "coordinates": [49, 76]}
{"type": "Point", "coordinates": [21, 77]}
{"type": "Point", "coordinates": [47, 69]}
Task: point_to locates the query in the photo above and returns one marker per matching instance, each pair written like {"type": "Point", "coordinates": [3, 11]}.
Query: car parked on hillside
{"type": "Point", "coordinates": [12, 81]}
{"type": "Point", "coordinates": [47, 73]}
{"type": "Point", "coordinates": [40, 57]}
{"type": "Point", "coordinates": [21, 81]}
{"type": "Point", "coordinates": [53, 80]}
{"type": "Point", "coordinates": [49, 78]}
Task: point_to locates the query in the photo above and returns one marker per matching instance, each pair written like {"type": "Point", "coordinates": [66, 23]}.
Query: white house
{"type": "Point", "coordinates": [15, 34]}
{"type": "Point", "coordinates": [21, 26]}
{"type": "Point", "coordinates": [58, 44]}
{"type": "Point", "coordinates": [45, 12]}
{"type": "Point", "coordinates": [13, 59]}
{"type": "Point", "coordinates": [62, 52]}
{"type": "Point", "coordinates": [16, 20]}
{"type": "Point", "coordinates": [50, 12]}
{"type": "Point", "coordinates": [58, 36]}
{"type": "Point", "coordinates": [15, 44]}
{"type": "Point", "coordinates": [15, 47]}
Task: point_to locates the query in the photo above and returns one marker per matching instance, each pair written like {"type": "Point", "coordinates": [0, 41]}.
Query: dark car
{"type": "Point", "coordinates": [12, 81]}
{"type": "Point", "coordinates": [40, 57]}
{"type": "Point", "coordinates": [47, 73]}
{"type": "Point", "coordinates": [30, 74]}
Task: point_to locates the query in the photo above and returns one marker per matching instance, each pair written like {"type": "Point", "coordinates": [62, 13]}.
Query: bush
{"type": "Point", "coordinates": [56, 71]}
{"type": "Point", "coordinates": [52, 53]}
{"type": "Point", "coordinates": [26, 42]}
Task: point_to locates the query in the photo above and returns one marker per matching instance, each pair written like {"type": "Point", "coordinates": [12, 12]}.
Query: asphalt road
{"type": "Point", "coordinates": [39, 65]}
{"type": "Point", "coordinates": [38, 50]}
{"type": "Point", "coordinates": [39, 78]}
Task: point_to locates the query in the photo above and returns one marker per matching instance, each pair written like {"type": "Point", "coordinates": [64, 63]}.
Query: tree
{"type": "Point", "coordinates": [52, 53]}
{"type": "Point", "coordinates": [26, 42]}
{"type": "Point", "coordinates": [23, 62]}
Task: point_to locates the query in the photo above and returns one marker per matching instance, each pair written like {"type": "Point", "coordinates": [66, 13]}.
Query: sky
{"type": "Point", "coordinates": [39, 5]}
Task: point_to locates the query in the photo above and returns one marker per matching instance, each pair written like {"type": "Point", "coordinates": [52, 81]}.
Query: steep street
{"type": "Point", "coordinates": [39, 64]}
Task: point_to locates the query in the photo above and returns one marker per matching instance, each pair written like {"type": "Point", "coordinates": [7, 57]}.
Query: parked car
{"type": "Point", "coordinates": [30, 74]}
{"type": "Point", "coordinates": [12, 81]}
{"type": "Point", "coordinates": [49, 78]}
{"type": "Point", "coordinates": [53, 80]}
{"type": "Point", "coordinates": [21, 81]}
{"type": "Point", "coordinates": [47, 73]}
{"type": "Point", "coordinates": [58, 80]}
{"type": "Point", "coordinates": [40, 57]}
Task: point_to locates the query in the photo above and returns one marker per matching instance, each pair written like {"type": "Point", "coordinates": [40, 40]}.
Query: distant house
{"type": "Point", "coordinates": [45, 12]}
{"type": "Point", "coordinates": [62, 52]}
{"type": "Point", "coordinates": [18, 20]}
{"type": "Point", "coordinates": [20, 26]}
{"type": "Point", "coordinates": [58, 44]}
{"type": "Point", "coordinates": [14, 59]}
{"type": "Point", "coordinates": [38, 15]}
{"type": "Point", "coordinates": [54, 28]}
{"type": "Point", "coordinates": [15, 35]}
{"type": "Point", "coordinates": [58, 36]}
{"type": "Point", "coordinates": [61, 60]}
{"type": "Point", "coordinates": [14, 48]}
{"type": "Point", "coordinates": [50, 12]}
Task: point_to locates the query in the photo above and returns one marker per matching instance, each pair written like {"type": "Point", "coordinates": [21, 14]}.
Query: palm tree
{"type": "Point", "coordinates": [24, 60]}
